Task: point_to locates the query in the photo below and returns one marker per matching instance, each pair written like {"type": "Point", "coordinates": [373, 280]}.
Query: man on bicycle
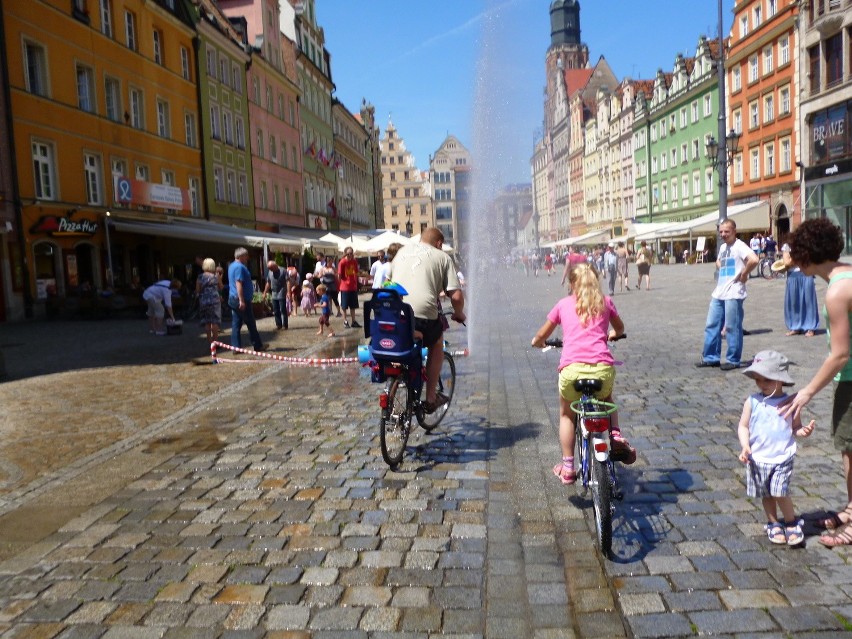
{"type": "Point", "coordinates": [424, 270]}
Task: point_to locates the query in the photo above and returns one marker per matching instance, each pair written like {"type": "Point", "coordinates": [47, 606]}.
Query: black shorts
{"type": "Point", "coordinates": [349, 299]}
{"type": "Point", "coordinates": [432, 330]}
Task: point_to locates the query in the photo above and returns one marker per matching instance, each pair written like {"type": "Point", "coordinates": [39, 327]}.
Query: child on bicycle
{"type": "Point", "coordinates": [769, 445]}
{"type": "Point", "coordinates": [588, 320]}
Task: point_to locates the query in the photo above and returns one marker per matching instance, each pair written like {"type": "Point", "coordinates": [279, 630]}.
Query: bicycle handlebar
{"type": "Point", "coordinates": [556, 342]}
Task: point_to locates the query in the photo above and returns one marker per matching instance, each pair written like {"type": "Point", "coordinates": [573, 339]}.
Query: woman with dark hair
{"type": "Point", "coordinates": [815, 247]}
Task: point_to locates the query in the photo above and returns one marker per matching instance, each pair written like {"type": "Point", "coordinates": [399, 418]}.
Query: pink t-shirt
{"type": "Point", "coordinates": [583, 344]}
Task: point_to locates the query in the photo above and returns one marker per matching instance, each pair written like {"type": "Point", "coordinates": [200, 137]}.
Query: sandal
{"type": "Point", "coordinates": [832, 521]}
{"type": "Point", "coordinates": [440, 400]}
{"type": "Point", "coordinates": [566, 475]}
{"type": "Point", "coordinates": [840, 537]}
{"type": "Point", "coordinates": [775, 532]}
{"type": "Point", "coordinates": [795, 536]}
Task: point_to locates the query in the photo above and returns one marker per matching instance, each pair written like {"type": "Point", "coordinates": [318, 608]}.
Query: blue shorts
{"type": "Point", "coordinates": [349, 299]}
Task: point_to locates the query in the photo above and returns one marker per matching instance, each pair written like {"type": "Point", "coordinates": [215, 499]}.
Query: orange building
{"type": "Point", "coordinates": [762, 105]}
{"type": "Point", "coordinates": [104, 118]}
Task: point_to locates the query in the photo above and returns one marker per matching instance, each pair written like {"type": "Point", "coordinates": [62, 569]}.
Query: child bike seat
{"type": "Point", "coordinates": [389, 323]}
{"type": "Point", "coordinates": [588, 386]}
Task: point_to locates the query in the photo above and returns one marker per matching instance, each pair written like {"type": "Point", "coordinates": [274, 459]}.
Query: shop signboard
{"type": "Point", "coordinates": [830, 133]}
{"type": "Point", "coordinates": [317, 222]}
{"type": "Point", "coordinates": [56, 226]}
{"type": "Point", "coordinates": [141, 193]}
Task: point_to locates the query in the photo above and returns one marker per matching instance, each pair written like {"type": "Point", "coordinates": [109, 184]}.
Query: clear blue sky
{"type": "Point", "coordinates": [421, 62]}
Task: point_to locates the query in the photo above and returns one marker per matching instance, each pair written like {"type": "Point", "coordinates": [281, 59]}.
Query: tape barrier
{"type": "Point", "coordinates": [303, 361]}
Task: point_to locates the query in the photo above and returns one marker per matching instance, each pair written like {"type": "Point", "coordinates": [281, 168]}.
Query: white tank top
{"type": "Point", "coordinates": [770, 435]}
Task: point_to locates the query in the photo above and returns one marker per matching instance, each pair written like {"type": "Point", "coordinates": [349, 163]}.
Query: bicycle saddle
{"type": "Point", "coordinates": [588, 386]}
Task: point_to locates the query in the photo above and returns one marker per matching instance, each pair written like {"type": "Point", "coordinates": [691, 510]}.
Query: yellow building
{"type": "Point", "coordinates": [104, 118]}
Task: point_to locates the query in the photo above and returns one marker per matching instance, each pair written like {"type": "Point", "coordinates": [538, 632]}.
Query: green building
{"type": "Point", "coordinates": [674, 180]}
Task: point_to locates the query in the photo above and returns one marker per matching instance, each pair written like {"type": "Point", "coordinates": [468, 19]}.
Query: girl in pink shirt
{"type": "Point", "coordinates": [588, 320]}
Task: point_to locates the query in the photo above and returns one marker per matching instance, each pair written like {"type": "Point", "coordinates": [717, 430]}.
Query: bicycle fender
{"type": "Point", "coordinates": [598, 438]}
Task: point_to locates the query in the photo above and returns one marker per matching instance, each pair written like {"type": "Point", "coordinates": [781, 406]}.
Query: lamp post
{"type": "Point", "coordinates": [409, 227]}
{"type": "Point", "coordinates": [110, 281]}
{"type": "Point", "coordinates": [348, 202]}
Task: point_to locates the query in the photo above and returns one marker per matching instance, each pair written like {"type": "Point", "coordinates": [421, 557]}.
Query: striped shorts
{"type": "Point", "coordinates": [769, 480]}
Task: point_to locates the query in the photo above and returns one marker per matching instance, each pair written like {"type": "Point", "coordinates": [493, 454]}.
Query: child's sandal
{"type": "Point", "coordinates": [566, 475]}
{"type": "Point", "coordinates": [794, 533]}
{"type": "Point", "coordinates": [775, 532]}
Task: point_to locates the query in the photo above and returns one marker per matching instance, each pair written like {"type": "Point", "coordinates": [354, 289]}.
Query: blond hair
{"type": "Point", "coordinates": [586, 288]}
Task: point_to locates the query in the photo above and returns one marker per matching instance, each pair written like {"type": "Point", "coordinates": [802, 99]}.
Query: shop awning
{"type": "Point", "coordinates": [749, 216]}
{"type": "Point", "coordinates": [592, 237]}
{"type": "Point", "coordinates": [211, 232]}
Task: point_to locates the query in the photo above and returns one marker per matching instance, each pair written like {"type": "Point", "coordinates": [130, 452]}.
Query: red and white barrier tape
{"type": "Point", "coordinates": [304, 361]}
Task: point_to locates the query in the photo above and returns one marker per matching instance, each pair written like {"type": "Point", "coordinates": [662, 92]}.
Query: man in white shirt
{"type": "Point", "coordinates": [736, 260]}
{"type": "Point", "coordinates": [377, 270]}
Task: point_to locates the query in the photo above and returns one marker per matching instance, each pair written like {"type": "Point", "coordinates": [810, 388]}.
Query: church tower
{"type": "Point", "coordinates": [566, 49]}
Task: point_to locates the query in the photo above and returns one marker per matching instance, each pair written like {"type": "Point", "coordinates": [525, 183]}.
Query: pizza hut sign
{"type": "Point", "coordinates": [56, 226]}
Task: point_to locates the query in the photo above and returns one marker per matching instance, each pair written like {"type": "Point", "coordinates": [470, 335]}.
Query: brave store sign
{"type": "Point", "coordinates": [830, 133]}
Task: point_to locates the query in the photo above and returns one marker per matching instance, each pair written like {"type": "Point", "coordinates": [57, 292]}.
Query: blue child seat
{"type": "Point", "coordinates": [389, 323]}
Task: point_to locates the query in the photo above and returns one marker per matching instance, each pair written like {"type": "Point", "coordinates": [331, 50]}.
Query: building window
{"type": "Point", "coordinates": [223, 70]}
{"type": "Point", "coordinates": [273, 150]}
{"type": "Point", "coordinates": [784, 101]}
{"type": "Point", "coordinates": [768, 108]}
{"type": "Point", "coordinates": [752, 69]}
{"type": "Point", "coordinates": [240, 133]}
{"type": "Point", "coordinates": [106, 18]}
{"type": "Point", "coordinates": [263, 197]}
{"type": "Point", "coordinates": [813, 68]}
{"type": "Point", "coordinates": [755, 165]}
{"type": "Point", "coordinates": [195, 197]}
{"type": "Point", "coordinates": [231, 186]}
{"type": "Point", "coordinates": [737, 124]}
{"type": "Point", "coordinates": [696, 184]}
{"type": "Point", "coordinates": [211, 61]}
{"type": "Point", "coordinates": [137, 111]}
{"type": "Point", "coordinates": [276, 198]}
{"type": "Point", "coordinates": [164, 126]}
{"type": "Point", "coordinates": [255, 86]}
{"type": "Point", "coordinates": [130, 30]}
{"type": "Point", "coordinates": [708, 106]}
{"type": "Point", "coordinates": [269, 98]}
{"type": "Point", "coordinates": [142, 173]}
{"type": "Point", "coordinates": [236, 79]}
{"type": "Point", "coordinates": [92, 170]}
{"type": "Point", "coordinates": [783, 51]}
{"type": "Point", "coordinates": [736, 78]}
{"type": "Point", "coordinates": [215, 123]}
{"type": "Point", "coordinates": [684, 158]}
{"type": "Point", "coordinates": [738, 168]}
{"type": "Point", "coordinates": [44, 171]}
{"type": "Point", "coordinates": [696, 150]}
{"type": "Point", "coordinates": [708, 182]}
{"type": "Point", "coordinates": [786, 159]}
{"type": "Point", "coordinates": [35, 65]}
{"type": "Point", "coordinates": [112, 99]}
{"type": "Point", "coordinates": [663, 162]}
{"type": "Point", "coordinates": [189, 126]}
{"type": "Point", "coordinates": [219, 183]}
{"type": "Point", "coordinates": [184, 64]}
{"type": "Point", "coordinates": [85, 88]}
{"type": "Point", "coordinates": [158, 46]}
{"type": "Point", "coordinates": [771, 8]}
{"type": "Point", "coordinates": [684, 187]}
{"type": "Point", "coordinates": [227, 128]}
{"type": "Point", "coordinates": [768, 59]}
{"type": "Point", "coordinates": [758, 16]}
{"type": "Point", "coordinates": [683, 118]}
{"type": "Point", "coordinates": [243, 189]}
{"type": "Point", "coordinates": [754, 115]}
{"type": "Point", "coordinates": [259, 139]}
{"type": "Point", "coordinates": [769, 158]}
{"type": "Point", "coordinates": [834, 60]}
{"type": "Point", "coordinates": [743, 26]}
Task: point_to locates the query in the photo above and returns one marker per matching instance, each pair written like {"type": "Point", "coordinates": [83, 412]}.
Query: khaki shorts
{"type": "Point", "coordinates": [841, 417]}
{"type": "Point", "coordinates": [573, 372]}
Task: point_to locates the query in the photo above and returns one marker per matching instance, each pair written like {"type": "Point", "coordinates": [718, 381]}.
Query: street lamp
{"type": "Point", "coordinates": [409, 227]}
{"type": "Point", "coordinates": [347, 200]}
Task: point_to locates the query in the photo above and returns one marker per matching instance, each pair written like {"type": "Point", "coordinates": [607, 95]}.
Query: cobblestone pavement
{"type": "Point", "coordinates": [158, 498]}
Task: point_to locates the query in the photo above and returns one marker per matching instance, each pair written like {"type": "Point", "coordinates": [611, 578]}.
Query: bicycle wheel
{"type": "Point", "coordinates": [766, 269]}
{"type": "Point", "coordinates": [601, 494]}
{"type": "Point", "coordinates": [396, 422]}
{"type": "Point", "coordinates": [446, 385]}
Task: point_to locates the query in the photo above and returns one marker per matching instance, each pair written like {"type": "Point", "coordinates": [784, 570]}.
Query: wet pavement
{"type": "Point", "coordinates": [144, 495]}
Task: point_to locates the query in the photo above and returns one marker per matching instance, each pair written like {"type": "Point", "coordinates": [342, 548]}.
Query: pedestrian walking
{"type": "Point", "coordinates": [277, 288]}
{"type": "Point", "coordinates": [325, 310]}
{"type": "Point", "coordinates": [208, 287]}
{"type": "Point", "coordinates": [643, 265]}
{"type": "Point", "coordinates": [610, 262]}
{"type": "Point", "coordinates": [347, 273]}
{"type": "Point", "coordinates": [240, 293]}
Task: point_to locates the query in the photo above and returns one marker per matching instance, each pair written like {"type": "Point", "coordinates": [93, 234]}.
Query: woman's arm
{"type": "Point", "coordinates": [543, 333]}
{"type": "Point", "coordinates": [837, 305]}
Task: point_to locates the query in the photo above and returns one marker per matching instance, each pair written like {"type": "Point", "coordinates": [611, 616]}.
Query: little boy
{"type": "Point", "coordinates": [325, 313]}
{"type": "Point", "coordinates": [769, 446]}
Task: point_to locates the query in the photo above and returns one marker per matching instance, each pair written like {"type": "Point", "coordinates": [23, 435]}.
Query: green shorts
{"type": "Point", "coordinates": [841, 417]}
{"type": "Point", "coordinates": [573, 372]}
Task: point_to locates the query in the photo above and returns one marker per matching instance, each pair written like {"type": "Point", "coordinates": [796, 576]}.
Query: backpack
{"type": "Point", "coordinates": [389, 323]}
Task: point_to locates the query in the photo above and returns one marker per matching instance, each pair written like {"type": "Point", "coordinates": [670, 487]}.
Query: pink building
{"type": "Point", "coordinates": [274, 121]}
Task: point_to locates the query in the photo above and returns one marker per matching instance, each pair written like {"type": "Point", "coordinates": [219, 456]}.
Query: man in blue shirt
{"type": "Point", "coordinates": [240, 291]}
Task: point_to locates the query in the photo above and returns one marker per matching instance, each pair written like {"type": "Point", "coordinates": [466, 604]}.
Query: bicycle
{"type": "Point", "coordinates": [765, 270]}
{"type": "Point", "coordinates": [402, 368]}
{"type": "Point", "coordinates": [594, 465]}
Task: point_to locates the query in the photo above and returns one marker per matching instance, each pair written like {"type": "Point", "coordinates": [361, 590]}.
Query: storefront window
{"type": "Point", "coordinates": [45, 257]}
